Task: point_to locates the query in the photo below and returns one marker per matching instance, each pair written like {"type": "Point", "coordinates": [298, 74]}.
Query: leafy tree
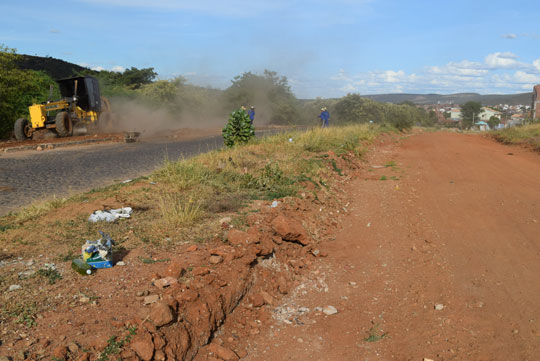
{"type": "Point", "coordinates": [163, 92]}
{"type": "Point", "coordinates": [268, 91]}
{"type": "Point", "coordinates": [238, 129]}
{"type": "Point", "coordinates": [493, 122]}
{"type": "Point", "coordinates": [470, 112]}
{"type": "Point", "coordinates": [18, 90]}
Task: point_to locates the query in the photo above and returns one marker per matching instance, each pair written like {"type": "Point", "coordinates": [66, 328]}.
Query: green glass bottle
{"type": "Point", "coordinates": [81, 267]}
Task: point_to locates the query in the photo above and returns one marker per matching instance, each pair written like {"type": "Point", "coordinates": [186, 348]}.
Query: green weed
{"type": "Point", "coordinates": [373, 334]}
{"type": "Point", "coordinates": [51, 274]}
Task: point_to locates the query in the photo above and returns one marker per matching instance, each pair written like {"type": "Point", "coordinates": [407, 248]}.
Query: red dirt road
{"type": "Point", "coordinates": [459, 228]}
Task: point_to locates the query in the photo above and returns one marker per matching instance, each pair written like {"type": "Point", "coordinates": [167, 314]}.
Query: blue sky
{"type": "Point", "coordinates": [325, 48]}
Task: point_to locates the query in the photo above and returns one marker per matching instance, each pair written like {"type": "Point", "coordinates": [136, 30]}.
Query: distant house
{"type": "Point", "coordinates": [488, 113]}
{"type": "Point", "coordinates": [455, 114]}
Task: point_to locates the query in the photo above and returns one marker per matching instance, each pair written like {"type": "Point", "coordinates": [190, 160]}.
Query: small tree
{"type": "Point", "coordinates": [493, 122]}
{"type": "Point", "coordinates": [238, 129]}
{"type": "Point", "coordinates": [470, 112]}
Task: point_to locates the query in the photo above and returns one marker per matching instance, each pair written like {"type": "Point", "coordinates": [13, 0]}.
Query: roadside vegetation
{"type": "Point", "coordinates": [527, 135]}
{"type": "Point", "coordinates": [181, 201]}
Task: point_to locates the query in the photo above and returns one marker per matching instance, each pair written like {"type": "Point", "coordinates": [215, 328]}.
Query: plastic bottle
{"type": "Point", "coordinates": [81, 267]}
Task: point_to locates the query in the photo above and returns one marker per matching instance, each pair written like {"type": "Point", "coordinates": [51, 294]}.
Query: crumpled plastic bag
{"type": "Point", "coordinates": [110, 216]}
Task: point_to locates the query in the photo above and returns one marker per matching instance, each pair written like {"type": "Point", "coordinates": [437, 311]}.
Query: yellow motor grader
{"type": "Point", "coordinates": [81, 106]}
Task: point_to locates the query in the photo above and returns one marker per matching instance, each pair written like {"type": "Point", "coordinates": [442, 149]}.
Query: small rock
{"type": "Point", "coordinates": [315, 252]}
{"type": "Point", "coordinates": [39, 148]}
{"type": "Point", "coordinates": [120, 263]}
{"type": "Point", "coordinates": [290, 230]}
{"type": "Point", "coordinates": [352, 283]}
{"type": "Point", "coordinates": [151, 299]}
{"type": "Point", "coordinates": [268, 299]}
{"type": "Point", "coordinates": [329, 310]}
{"type": "Point", "coordinates": [257, 300]}
{"type": "Point", "coordinates": [161, 314]}
{"type": "Point", "coordinates": [222, 352]}
{"type": "Point", "coordinates": [427, 359]}
{"type": "Point", "coordinates": [143, 346]}
{"type": "Point", "coordinates": [479, 304]}
{"type": "Point", "coordinates": [84, 299]}
{"type": "Point", "coordinates": [439, 307]}
{"type": "Point", "coordinates": [300, 340]}
{"type": "Point", "coordinates": [14, 288]}
{"type": "Point", "coordinates": [165, 282]}
{"type": "Point", "coordinates": [215, 259]}
{"type": "Point", "coordinates": [192, 248]}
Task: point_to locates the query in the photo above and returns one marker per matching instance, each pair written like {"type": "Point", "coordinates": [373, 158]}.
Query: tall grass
{"type": "Point", "coordinates": [528, 135]}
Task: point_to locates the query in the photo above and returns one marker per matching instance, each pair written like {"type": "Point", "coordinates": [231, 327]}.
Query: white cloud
{"type": "Point", "coordinates": [391, 76]}
{"type": "Point", "coordinates": [501, 72]}
{"type": "Point", "coordinates": [98, 68]}
{"type": "Point", "coordinates": [536, 64]}
{"type": "Point", "coordinates": [118, 69]}
{"type": "Point", "coordinates": [502, 60]}
{"type": "Point", "coordinates": [348, 88]}
{"type": "Point", "coordinates": [524, 77]}
{"type": "Point", "coordinates": [509, 36]}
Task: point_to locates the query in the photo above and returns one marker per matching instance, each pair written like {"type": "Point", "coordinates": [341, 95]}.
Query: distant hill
{"type": "Point", "coordinates": [56, 68]}
{"type": "Point", "coordinates": [459, 98]}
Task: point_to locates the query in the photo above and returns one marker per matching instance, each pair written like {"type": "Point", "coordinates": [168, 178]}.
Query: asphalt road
{"type": "Point", "coordinates": [30, 176]}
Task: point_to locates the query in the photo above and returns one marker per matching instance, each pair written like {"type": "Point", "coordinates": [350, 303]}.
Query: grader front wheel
{"type": "Point", "coordinates": [22, 129]}
{"type": "Point", "coordinates": [64, 125]}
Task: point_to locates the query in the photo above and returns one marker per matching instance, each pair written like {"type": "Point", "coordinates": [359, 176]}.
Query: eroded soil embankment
{"type": "Point", "coordinates": [169, 311]}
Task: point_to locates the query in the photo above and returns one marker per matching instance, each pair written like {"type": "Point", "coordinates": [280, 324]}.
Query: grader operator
{"type": "Point", "coordinates": [81, 106]}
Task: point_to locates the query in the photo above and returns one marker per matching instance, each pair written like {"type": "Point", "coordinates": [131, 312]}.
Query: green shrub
{"type": "Point", "coordinates": [239, 129]}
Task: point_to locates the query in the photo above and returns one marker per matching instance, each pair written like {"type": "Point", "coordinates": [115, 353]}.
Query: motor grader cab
{"type": "Point", "coordinates": [81, 106]}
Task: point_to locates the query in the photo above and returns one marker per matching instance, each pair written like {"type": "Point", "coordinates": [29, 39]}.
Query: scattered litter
{"type": "Point", "coordinates": [120, 263]}
{"type": "Point", "coordinates": [274, 204]}
{"type": "Point", "coordinates": [110, 216]}
{"type": "Point", "coordinates": [153, 183]}
{"type": "Point", "coordinates": [127, 181]}
{"type": "Point", "coordinates": [439, 307]}
{"type": "Point", "coordinates": [377, 166]}
{"type": "Point", "coordinates": [369, 224]}
{"type": "Point", "coordinates": [14, 288]}
{"type": "Point", "coordinates": [290, 140]}
{"type": "Point", "coordinates": [98, 254]}
{"type": "Point", "coordinates": [329, 310]}
{"type": "Point", "coordinates": [81, 267]}
{"type": "Point", "coordinates": [352, 283]}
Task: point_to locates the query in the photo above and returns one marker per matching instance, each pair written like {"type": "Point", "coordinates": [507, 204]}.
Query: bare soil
{"type": "Point", "coordinates": [429, 249]}
{"type": "Point", "coordinates": [441, 264]}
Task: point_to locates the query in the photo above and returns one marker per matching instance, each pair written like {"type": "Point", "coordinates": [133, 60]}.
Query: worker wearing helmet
{"type": "Point", "coordinates": [251, 114]}
{"type": "Point", "coordinates": [325, 117]}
